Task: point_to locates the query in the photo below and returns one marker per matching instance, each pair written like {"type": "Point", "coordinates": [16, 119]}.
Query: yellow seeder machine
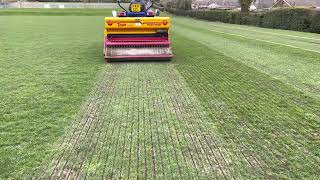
{"type": "Point", "coordinates": [137, 34]}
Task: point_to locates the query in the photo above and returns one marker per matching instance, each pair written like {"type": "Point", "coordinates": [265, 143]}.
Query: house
{"type": "Point", "coordinates": [290, 3]}
{"type": "Point", "coordinates": [257, 4]}
{"type": "Point", "coordinates": [263, 4]}
{"type": "Point", "coordinates": [215, 4]}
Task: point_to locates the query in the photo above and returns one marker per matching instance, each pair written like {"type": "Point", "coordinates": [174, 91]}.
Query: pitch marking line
{"type": "Point", "coordinates": [271, 42]}
{"type": "Point", "coordinates": [252, 30]}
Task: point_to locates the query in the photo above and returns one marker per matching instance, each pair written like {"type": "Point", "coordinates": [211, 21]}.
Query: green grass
{"type": "Point", "coordinates": [55, 12]}
{"type": "Point", "coordinates": [144, 123]}
{"type": "Point", "coordinates": [272, 123]}
{"type": "Point", "coordinates": [297, 66]}
{"type": "Point", "coordinates": [236, 102]}
{"type": "Point", "coordinates": [48, 65]}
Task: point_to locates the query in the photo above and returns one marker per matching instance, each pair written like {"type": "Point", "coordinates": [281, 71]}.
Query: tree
{"type": "Point", "coordinates": [184, 4]}
{"type": "Point", "coordinates": [178, 4]}
{"type": "Point", "coordinates": [245, 5]}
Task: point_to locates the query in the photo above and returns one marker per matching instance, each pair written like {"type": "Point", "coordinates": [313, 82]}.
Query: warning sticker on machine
{"type": "Point", "coordinates": [153, 24]}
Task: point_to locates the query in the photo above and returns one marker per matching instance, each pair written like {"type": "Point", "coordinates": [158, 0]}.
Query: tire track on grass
{"type": "Point", "coordinates": [142, 122]}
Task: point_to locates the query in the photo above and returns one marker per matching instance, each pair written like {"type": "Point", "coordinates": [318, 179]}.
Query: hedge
{"type": "Point", "coordinates": [297, 19]}
{"type": "Point", "coordinates": [315, 23]}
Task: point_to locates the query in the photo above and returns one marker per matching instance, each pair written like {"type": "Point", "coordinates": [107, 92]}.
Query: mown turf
{"type": "Point", "coordinates": [55, 12]}
{"type": "Point", "coordinates": [141, 122]}
{"type": "Point", "coordinates": [267, 87]}
{"type": "Point", "coordinates": [236, 102]}
{"type": "Point", "coordinates": [274, 126]}
{"type": "Point", "coordinates": [292, 57]}
{"type": "Point", "coordinates": [48, 65]}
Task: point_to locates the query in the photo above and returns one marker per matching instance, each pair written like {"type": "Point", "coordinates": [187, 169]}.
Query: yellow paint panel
{"type": "Point", "coordinates": [136, 25]}
{"type": "Point", "coordinates": [135, 8]}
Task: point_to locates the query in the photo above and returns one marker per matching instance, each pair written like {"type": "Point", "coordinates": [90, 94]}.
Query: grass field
{"type": "Point", "coordinates": [236, 102]}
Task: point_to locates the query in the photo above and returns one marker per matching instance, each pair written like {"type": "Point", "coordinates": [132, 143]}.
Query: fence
{"type": "Point", "coordinates": [3, 5]}
{"type": "Point", "coordinates": [58, 5]}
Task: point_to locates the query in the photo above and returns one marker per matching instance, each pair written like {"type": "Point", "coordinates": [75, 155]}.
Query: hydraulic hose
{"type": "Point", "coordinates": [119, 3]}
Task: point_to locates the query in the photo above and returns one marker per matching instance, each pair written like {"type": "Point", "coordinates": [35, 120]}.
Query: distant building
{"type": "Point", "coordinates": [257, 4]}
{"type": "Point", "coordinates": [215, 4]}
{"type": "Point", "coordinates": [263, 4]}
{"type": "Point", "coordinates": [292, 3]}
{"type": "Point", "coordinates": [283, 3]}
